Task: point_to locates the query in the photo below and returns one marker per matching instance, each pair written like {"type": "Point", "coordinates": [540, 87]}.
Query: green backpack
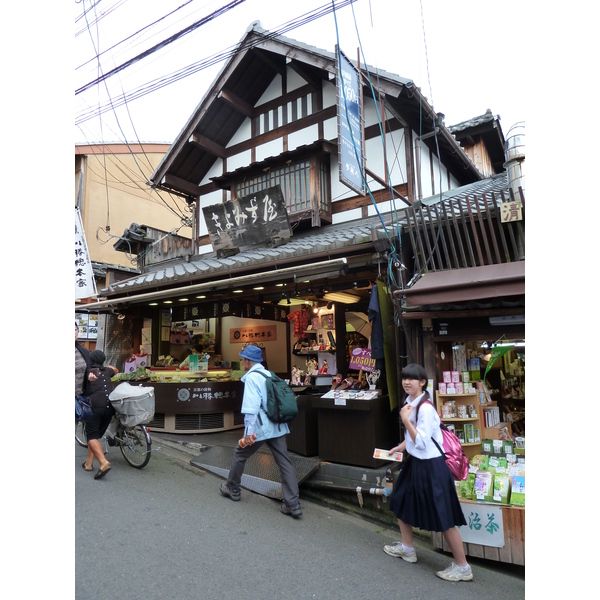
{"type": "Point", "coordinates": [281, 400]}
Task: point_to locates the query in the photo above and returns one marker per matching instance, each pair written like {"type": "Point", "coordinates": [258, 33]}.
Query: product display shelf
{"type": "Point", "coordinates": [470, 448]}
{"type": "Point", "coordinates": [328, 355]}
{"type": "Point", "coordinates": [493, 432]}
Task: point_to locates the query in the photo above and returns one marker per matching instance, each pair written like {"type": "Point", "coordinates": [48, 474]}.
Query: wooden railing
{"type": "Point", "coordinates": [465, 232]}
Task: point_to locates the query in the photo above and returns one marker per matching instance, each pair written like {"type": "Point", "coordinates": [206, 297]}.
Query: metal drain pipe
{"type": "Point", "coordinates": [358, 490]}
{"type": "Point", "coordinates": [374, 491]}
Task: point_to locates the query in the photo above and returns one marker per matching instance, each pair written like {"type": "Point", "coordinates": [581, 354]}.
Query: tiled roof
{"type": "Point", "coordinates": [473, 122]}
{"type": "Point", "coordinates": [331, 239]}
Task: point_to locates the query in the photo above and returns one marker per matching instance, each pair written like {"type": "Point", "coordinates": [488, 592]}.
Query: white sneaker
{"type": "Point", "coordinates": [397, 550]}
{"type": "Point", "coordinates": [455, 573]}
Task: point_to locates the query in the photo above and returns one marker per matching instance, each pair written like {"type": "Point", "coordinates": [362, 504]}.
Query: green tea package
{"type": "Point", "coordinates": [501, 488]}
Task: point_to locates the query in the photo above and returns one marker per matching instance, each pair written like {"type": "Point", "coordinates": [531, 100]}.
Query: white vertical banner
{"type": "Point", "coordinates": [85, 284]}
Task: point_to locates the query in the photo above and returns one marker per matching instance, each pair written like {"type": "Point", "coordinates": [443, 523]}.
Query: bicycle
{"type": "Point", "coordinates": [134, 406]}
{"type": "Point", "coordinates": [134, 442]}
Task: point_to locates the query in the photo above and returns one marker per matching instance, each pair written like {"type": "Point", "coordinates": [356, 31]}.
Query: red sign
{"type": "Point", "coordinates": [361, 360]}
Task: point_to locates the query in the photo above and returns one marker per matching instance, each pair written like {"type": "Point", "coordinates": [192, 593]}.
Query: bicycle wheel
{"type": "Point", "coordinates": [80, 436]}
{"type": "Point", "coordinates": [135, 446]}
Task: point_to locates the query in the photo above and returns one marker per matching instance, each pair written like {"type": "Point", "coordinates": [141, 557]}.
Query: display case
{"type": "Point", "coordinates": [349, 430]}
{"type": "Point", "coordinates": [188, 402]}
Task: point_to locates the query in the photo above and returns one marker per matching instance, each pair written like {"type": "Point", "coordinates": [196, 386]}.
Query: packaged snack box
{"type": "Point", "coordinates": [517, 495]}
{"type": "Point", "coordinates": [483, 489]}
{"type": "Point", "coordinates": [487, 446]}
{"type": "Point", "coordinates": [447, 376]}
{"type": "Point", "coordinates": [507, 446]}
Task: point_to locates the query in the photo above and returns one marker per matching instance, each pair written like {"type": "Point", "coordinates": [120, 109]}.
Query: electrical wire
{"type": "Point", "coordinates": [161, 45]}
{"type": "Point", "coordinates": [135, 34]}
{"type": "Point", "coordinates": [214, 59]}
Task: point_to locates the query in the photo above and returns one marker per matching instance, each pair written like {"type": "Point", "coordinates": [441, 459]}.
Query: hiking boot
{"type": "Point", "coordinates": [397, 550]}
{"type": "Point", "coordinates": [294, 511]}
{"type": "Point", "coordinates": [455, 573]}
{"type": "Point", "coordinates": [234, 493]}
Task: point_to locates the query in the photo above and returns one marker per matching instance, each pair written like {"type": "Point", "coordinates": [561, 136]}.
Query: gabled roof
{"type": "Point", "coordinates": [241, 83]}
{"type": "Point", "coordinates": [487, 127]}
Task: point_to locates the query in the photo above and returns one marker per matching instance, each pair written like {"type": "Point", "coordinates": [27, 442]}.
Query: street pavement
{"type": "Point", "coordinates": [165, 531]}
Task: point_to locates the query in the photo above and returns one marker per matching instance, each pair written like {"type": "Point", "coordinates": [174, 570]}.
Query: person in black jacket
{"type": "Point", "coordinates": [98, 390]}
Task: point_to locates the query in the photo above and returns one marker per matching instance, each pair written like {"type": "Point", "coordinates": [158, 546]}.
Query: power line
{"type": "Point", "coordinates": [214, 59]}
{"type": "Point", "coordinates": [160, 45]}
{"type": "Point", "coordinates": [134, 34]}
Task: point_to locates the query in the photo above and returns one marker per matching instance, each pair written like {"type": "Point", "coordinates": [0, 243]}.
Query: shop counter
{"type": "Point", "coordinates": [197, 407]}
{"type": "Point", "coordinates": [348, 432]}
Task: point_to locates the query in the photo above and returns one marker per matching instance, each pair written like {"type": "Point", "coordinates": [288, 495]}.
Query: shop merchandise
{"type": "Point", "coordinates": [517, 496]}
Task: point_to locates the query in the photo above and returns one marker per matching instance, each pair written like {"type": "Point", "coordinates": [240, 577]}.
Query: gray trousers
{"type": "Point", "coordinates": [278, 447]}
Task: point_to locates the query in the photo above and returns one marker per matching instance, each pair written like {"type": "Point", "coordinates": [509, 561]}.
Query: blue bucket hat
{"type": "Point", "coordinates": [253, 353]}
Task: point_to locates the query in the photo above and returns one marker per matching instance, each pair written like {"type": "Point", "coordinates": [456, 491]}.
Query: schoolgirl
{"type": "Point", "coordinates": [424, 495]}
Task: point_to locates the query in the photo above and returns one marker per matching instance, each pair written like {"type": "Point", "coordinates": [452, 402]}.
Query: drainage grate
{"type": "Point", "coordinates": [261, 473]}
{"type": "Point", "coordinates": [199, 421]}
{"type": "Point", "coordinates": [158, 422]}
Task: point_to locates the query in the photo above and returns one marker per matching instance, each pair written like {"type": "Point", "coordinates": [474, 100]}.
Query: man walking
{"type": "Point", "coordinates": [258, 430]}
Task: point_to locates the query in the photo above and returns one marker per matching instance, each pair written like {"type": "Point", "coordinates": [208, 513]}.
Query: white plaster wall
{"type": "Point", "coordinates": [330, 130]}
{"type": "Point", "coordinates": [236, 161]}
{"type": "Point", "coordinates": [276, 350]}
{"type": "Point", "coordinates": [436, 176]}
{"type": "Point", "coordinates": [273, 148]}
{"type": "Point", "coordinates": [329, 94]}
{"type": "Point", "coordinates": [215, 171]}
{"type": "Point", "coordinates": [302, 137]}
{"type": "Point", "coordinates": [272, 92]}
{"type": "Point", "coordinates": [396, 156]}
{"type": "Point", "coordinates": [294, 81]}
{"type": "Point", "coordinates": [242, 134]}
{"type": "Point", "coordinates": [425, 172]}
{"type": "Point", "coordinates": [349, 215]}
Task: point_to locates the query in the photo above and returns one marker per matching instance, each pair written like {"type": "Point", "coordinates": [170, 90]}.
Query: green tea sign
{"type": "Point", "coordinates": [496, 353]}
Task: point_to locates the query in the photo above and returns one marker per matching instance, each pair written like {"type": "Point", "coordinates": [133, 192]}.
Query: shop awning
{"type": "Point", "coordinates": [459, 285]}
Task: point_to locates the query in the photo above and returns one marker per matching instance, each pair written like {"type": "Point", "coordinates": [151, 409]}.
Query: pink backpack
{"type": "Point", "coordinates": [452, 450]}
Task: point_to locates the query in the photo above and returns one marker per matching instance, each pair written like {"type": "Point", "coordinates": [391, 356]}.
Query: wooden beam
{"type": "Point", "coordinates": [181, 185]}
{"type": "Point", "coordinates": [385, 185]}
{"type": "Point", "coordinates": [237, 103]}
{"type": "Point", "coordinates": [323, 115]}
{"type": "Point", "coordinates": [361, 201]}
{"type": "Point", "coordinates": [271, 63]}
{"type": "Point", "coordinates": [209, 145]}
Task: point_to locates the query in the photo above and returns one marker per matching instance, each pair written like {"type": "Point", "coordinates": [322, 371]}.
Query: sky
{"type": "Point", "coordinates": [463, 55]}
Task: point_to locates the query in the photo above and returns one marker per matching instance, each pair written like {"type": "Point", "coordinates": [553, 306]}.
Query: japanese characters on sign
{"type": "Point", "coordinates": [252, 334]}
{"type": "Point", "coordinates": [203, 393]}
{"type": "Point", "coordinates": [350, 129]}
{"type": "Point", "coordinates": [85, 284]}
{"type": "Point", "coordinates": [511, 211]}
{"type": "Point", "coordinates": [485, 525]}
{"type": "Point", "coordinates": [253, 219]}
{"type": "Point", "coordinates": [360, 359]}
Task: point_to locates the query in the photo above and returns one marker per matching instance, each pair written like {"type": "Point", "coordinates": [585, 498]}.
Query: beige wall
{"type": "Point", "coordinates": [112, 167]}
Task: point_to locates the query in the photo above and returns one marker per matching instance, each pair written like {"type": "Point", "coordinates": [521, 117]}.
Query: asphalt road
{"type": "Point", "coordinates": [165, 532]}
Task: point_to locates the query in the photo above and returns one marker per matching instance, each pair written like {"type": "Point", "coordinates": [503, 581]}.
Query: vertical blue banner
{"type": "Point", "coordinates": [350, 130]}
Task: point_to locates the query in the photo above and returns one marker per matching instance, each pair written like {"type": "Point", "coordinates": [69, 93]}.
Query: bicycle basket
{"type": "Point", "coordinates": [134, 405]}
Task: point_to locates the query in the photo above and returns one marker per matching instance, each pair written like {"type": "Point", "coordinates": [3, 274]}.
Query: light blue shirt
{"type": "Point", "coordinates": [427, 426]}
{"type": "Point", "coordinates": [254, 406]}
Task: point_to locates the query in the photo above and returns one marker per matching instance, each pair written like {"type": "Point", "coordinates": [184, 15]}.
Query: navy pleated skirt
{"type": "Point", "coordinates": [424, 495]}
